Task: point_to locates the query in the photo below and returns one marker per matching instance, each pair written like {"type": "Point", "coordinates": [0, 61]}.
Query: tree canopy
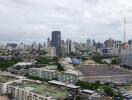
{"type": "Point", "coordinates": [60, 67]}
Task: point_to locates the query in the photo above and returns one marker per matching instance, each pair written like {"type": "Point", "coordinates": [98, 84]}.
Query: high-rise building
{"type": "Point", "coordinates": [48, 42]}
{"type": "Point", "coordinates": [56, 42]}
{"type": "Point", "coordinates": [69, 45]}
{"type": "Point", "coordinates": [89, 43]}
{"type": "Point", "coordinates": [93, 43]}
{"type": "Point", "coordinates": [109, 43]}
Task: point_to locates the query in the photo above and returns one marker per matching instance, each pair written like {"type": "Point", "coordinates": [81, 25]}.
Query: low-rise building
{"type": "Point", "coordinates": [21, 68]}
{"type": "Point", "coordinates": [109, 51]}
{"type": "Point", "coordinates": [43, 73]}
{"type": "Point", "coordinates": [89, 95]}
{"type": "Point", "coordinates": [4, 81]}
{"type": "Point", "coordinates": [32, 90]}
{"type": "Point", "coordinates": [69, 76]}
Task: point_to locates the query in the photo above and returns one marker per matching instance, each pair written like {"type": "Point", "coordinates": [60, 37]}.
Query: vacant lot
{"type": "Point", "coordinates": [100, 70]}
{"type": "Point", "coordinates": [104, 73]}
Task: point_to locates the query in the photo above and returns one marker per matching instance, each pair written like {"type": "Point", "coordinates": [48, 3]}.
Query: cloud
{"type": "Point", "coordinates": [24, 20]}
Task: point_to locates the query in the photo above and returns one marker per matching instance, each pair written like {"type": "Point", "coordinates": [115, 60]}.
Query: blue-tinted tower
{"type": "Point", "coordinates": [56, 42]}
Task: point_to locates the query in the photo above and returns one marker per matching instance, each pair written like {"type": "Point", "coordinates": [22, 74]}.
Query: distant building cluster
{"type": "Point", "coordinates": [56, 46]}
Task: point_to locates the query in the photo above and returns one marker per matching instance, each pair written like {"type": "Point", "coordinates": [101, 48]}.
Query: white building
{"type": "Point", "coordinates": [89, 95]}
{"type": "Point", "coordinates": [126, 56]}
{"type": "Point", "coordinates": [51, 51]}
{"type": "Point", "coordinates": [108, 51]}
{"type": "Point", "coordinates": [69, 76]}
{"type": "Point", "coordinates": [127, 60]}
{"type": "Point", "coordinates": [24, 89]}
{"type": "Point", "coordinates": [4, 81]}
{"type": "Point", "coordinates": [43, 73]}
{"type": "Point", "coordinates": [32, 90]}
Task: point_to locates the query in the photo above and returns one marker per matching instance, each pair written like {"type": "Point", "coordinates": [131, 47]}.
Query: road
{"type": "Point", "coordinates": [111, 76]}
{"type": "Point", "coordinates": [118, 66]}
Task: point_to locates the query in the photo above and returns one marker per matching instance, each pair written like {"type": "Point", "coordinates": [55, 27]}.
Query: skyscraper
{"type": "Point", "coordinates": [56, 42]}
{"type": "Point", "coordinates": [69, 45]}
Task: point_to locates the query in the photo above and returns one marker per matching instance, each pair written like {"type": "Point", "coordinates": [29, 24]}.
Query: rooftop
{"type": "Point", "coordinates": [42, 89]}
{"type": "Point", "coordinates": [88, 91]}
{"type": "Point", "coordinates": [52, 67]}
{"type": "Point", "coordinates": [24, 64]}
{"type": "Point", "coordinates": [43, 69]}
{"type": "Point", "coordinates": [5, 79]}
{"type": "Point", "coordinates": [63, 84]}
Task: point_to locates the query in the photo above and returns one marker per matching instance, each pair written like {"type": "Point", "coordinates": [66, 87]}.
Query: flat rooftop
{"type": "Point", "coordinates": [52, 67]}
{"type": "Point", "coordinates": [100, 70]}
{"type": "Point", "coordinates": [42, 89]}
{"type": "Point", "coordinates": [23, 64]}
{"type": "Point", "coordinates": [5, 79]}
{"type": "Point", "coordinates": [63, 84]}
{"type": "Point", "coordinates": [68, 71]}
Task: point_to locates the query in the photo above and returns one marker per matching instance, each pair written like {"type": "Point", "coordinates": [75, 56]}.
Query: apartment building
{"type": "Point", "coordinates": [31, 90]}
{"type": "Point", "coordinates": [68, 76]}
{"type": "Point", "coordinates": [4, 81]}
{"type": "Point", "coordinates": [43, 73]}
{"type": "Point", "coordinates": [127, 61]}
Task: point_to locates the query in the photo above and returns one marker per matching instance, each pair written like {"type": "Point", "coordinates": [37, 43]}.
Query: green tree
{"type": "Point", "coordinates": [108, 91]}
{"type": "Point", "coordinates": [97, 83]}
{"type": "Point", "coordinates": [36, 78]}
{"type": "Point", "coordinates": [4, 65]}
{"type": "Point", "coordinates": [87, 85]}
{"type": "Point", "coordinates": [42, 52]}
{"type": "Point", "coordinates": [10, 96]}
{"type": "Point", "coordinates": [59, 67]}
{"type": "Point", "coordinates": [46, 60]}
{"type": "Point", "coordinates": [115, 61]}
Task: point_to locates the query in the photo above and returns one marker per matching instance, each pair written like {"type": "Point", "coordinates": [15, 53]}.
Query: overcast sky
{"type": "Point", "coordinates": [33, 20]}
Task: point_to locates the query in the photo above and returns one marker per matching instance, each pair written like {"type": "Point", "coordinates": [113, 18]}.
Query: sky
{"type": "Point", "coordinates": [34, 20]}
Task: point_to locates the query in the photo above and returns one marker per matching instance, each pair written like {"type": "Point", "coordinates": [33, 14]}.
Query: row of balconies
{"type": "Point", "coordinates": [21, 94]}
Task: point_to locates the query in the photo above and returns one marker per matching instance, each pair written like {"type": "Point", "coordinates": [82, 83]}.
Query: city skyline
{"type": "Point", "coordinates": [31, 20]}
